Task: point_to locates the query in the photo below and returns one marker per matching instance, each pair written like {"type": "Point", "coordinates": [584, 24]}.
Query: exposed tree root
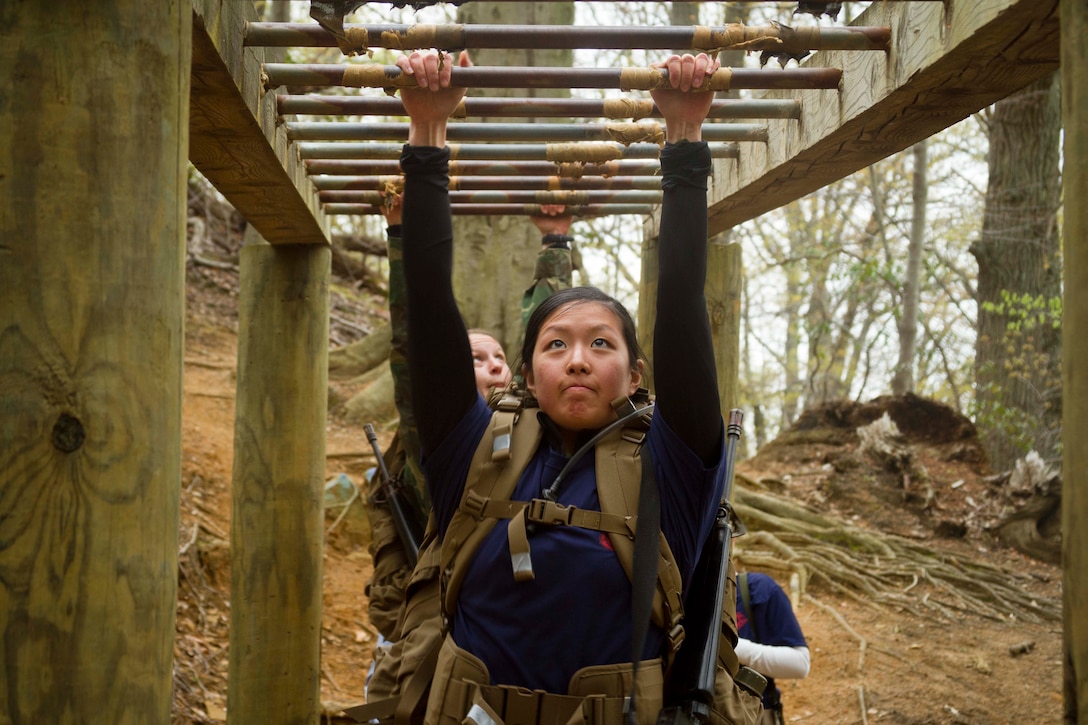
{"type": "Point", "coordinates": [862, 642]}
{"type": "Point", "coordinates": [877, 569]}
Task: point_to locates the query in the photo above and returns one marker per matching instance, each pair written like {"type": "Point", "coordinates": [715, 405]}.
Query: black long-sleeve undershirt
{"type": "Point", "coordinates": [685, 375]}
{"type": "Point", "coordinates": [439, 355]}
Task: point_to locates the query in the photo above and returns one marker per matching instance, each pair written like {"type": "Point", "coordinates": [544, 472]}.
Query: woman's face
{"type": "Point", "coordinates": [580, 365]}
{"type": "Point", "coordinates": [489, 363]}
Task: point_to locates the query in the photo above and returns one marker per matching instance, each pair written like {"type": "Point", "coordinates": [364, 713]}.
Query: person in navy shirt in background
{"type": "Point", "coordinates": [771, 641]}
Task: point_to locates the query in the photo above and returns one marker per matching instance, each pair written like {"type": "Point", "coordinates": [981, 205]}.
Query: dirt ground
{"type": "Point", "coordinates": [869, 665]}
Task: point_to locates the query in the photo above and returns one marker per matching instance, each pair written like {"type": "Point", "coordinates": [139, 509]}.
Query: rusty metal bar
{"type": "Point", "coordinates": [571, 170]}
{"type": "Point", "coordinates": [489, 183]}
{"type": "Point", "coordinates": [644, 131]}
{"type": "Point", "coordinates": [613, 108]}
{"type": "Point", "coordinates": [589, 210]}
{"type": "Point", "coordinates": [491, 196]}
{"type": "Point", "coordinates": [370, 75]}
{"type": "Point", "coordinates": [777, 38]}
{"type": "Point", "coordinates": [586, 151]}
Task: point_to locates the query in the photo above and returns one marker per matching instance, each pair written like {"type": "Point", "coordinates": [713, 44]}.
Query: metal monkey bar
{"type": "Point", "coordinates": [775, 38]}
{"type": "Point", "coordinates": [649, 131]}
{"type": "Point", "coordinates": [360, 75]}
{"type": "Point", "coordinates": [583, 152]}
{"type": "Point", "coordinates": [611, 108]}
{"type": "Point", "coordinates": [501, 164]}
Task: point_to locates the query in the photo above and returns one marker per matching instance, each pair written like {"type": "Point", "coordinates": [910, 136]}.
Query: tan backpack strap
{"type": "Point", "coordinates": [413, 698]}
{"type": "Point", "coordinates": [551, 513]}
{"type": "Point", "coordinates": [517, 535]}
{"type": "Point", "coordinates": [492, 477]}
{"type": "Point", "coordinates": [619, 477]}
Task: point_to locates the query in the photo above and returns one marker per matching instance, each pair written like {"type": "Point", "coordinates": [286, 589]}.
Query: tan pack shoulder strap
{"type": "Point", "coordinates": [493, 475]}
{"type": "Point", "coordinates": [619, 479]}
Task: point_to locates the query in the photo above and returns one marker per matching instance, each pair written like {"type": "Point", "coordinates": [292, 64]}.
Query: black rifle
{"type": "Point", "coordinates": [689, 694]}
{"type": "Point", "coordinates": [391, 494]}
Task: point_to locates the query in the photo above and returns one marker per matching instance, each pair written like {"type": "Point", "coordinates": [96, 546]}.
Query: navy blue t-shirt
{"type": "Point", "coordinates": [580, 600]}
{"type": "Point", "coordinates": [774, 617]}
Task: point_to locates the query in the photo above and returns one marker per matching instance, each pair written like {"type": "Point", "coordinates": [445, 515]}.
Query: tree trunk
{"type": "Point", "coordinates": [791, 398]}
{"type": "Point", "coordinates": [682, 13]}
{"type": "Point", "coordinates": [494, 257]}
{"type": "Point", "coordinates": [1017, 352]}
{"type": "Point", "coordinates": [94, 122]}
{"type": "Point", "coordinates": [825, 358]}
{"type": "Point", "coordinates": [903, 378]}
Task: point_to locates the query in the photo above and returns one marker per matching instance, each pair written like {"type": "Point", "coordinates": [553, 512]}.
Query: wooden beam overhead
{"type": "Point", "coordinates": [947, 62]}
{"type": "Point", "coordinates": [234, 139]}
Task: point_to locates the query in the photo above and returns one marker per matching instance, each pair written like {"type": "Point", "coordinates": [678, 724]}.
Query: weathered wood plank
{"type": "Point", "coordinates": [278, 484]}
{"type": "Point", "coordinates": [1074, 371]}
{"type": "Point", "coordinates": [234, 138]}
{"type": "Point", "coordinates": [947, 61]}
{"type": "Point", "coordinates": [93, 171]}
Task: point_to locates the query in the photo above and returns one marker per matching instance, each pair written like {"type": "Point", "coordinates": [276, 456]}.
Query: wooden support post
{"type": "Point", "coordinates": [647, 299]}
{"type": "Point", "coordinates": [94, 122]}
{"type": "Point", "coordinates": [723, 293]}
{"type": "Point", "coordinates": [279, 470]}
{"type": "Point", "coordinates": [724, 279]}
{"type": "Point", "coordinates": [1074, 57]}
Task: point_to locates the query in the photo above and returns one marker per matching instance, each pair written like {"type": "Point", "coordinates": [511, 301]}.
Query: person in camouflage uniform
{"type": "Point", "coordinates": [553, 264]}
{"type": "Point", "coordinates": [404, 639]}
{"type": "Point", "coordinates": [385, 591]}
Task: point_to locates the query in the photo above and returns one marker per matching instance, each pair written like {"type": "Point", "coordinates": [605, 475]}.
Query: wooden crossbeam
{"type": "Point", "coordinates": [947, 62]}
{"type": "Point", "coordinates": [234, 139]}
